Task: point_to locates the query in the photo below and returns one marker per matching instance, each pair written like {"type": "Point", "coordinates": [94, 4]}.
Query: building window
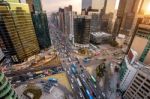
{"type": "Point", "coordinates": [148, 81]}
{"type": "Point", "coordinates": [135, 86]}
{"type": "Point", "coordinates": [138, 79]}
{"type": "Point", "coordinates": [145, 89]}
{"type": "Point", "coordinates": [141, 76]}
{"type": "Point", "coordinates": [140, 95]}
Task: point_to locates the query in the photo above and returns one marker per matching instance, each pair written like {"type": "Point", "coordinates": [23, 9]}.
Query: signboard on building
{"type": "Point", "coordinates": [132, 56]}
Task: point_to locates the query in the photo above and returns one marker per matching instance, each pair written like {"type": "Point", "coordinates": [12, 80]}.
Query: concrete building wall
{"type": "Point", "coordinates": [139, 44]}
{"type": "Point", "coordinates": [128, 75]}
{"type": "Point", "coordinates": [140, 85]}
{"type": "Point", "coordinates": [147, 59]}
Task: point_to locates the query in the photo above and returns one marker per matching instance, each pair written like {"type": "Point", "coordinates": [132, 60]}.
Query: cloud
{"type": "Point", "coordinates": [53, 5]}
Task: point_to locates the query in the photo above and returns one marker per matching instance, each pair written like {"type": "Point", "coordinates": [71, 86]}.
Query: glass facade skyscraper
{"type": "Point", "coordinates": [82, 29]}
{"type": "Point", "coordinates": [40, 22]}
{"type": "Point", "coordinates": [17, 31]}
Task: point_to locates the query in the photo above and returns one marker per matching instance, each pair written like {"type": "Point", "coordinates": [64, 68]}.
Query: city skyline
{"type": "Point", "coordinates": [74, 49]}
{"type": "Point", "coordinates": [53, 5]}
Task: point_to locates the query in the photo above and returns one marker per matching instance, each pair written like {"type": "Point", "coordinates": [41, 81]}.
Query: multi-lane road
{"type": "Point", "coordinates": [81, 82]}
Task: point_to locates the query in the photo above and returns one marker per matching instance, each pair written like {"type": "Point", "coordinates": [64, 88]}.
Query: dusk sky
{"type": "Point", "coordinates": [53, 5]}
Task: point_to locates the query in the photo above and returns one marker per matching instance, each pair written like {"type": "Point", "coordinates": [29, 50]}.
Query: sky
{"type": "Point", "coordinates": [53, 5]}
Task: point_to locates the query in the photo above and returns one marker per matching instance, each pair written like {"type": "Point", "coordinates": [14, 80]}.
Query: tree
{"type": "Point", "coordinates": [36, 91]}
{"type": "Point", "coordinates": [113, 43]}
{"type": "Point", "coordinates": [100, 70]}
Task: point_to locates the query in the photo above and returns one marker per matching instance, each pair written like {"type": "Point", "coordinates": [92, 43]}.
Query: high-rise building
{"type": "Point", "coordinates": [67, 19]}
{"type": "Point", "coordinates": [40, 23]}
{"type": "Point", "coordinates": [141, 33]}
{"type": "Point", "coordinates": [126, 16]}
{"type": "Point", "coordinates": [95, 20]}
{"type": "Point", "coordinates": [6, 91]}
{"type": "Point", "coordinates": [139, 88]}
{"type": "Point", "coordinates": [106, 22]}
{"type": "Point", "coordinates": [82, 29]}
{"type": "Point", "coordinates": [64, 20]}
{"type": "Point", "coordinates": [61, 20]}
{"type": "Point", "coordinates": [17, 31]}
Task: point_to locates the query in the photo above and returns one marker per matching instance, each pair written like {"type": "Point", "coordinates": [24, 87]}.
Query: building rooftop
{"type": "Point", "coordinates": [145, 26]}
{"type": "Point", "coordinates": [100, 34]}
{"type": "Point", "coordinates": [145, 69]}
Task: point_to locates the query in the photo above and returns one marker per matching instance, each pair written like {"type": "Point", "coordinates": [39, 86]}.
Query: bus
{"type": "Point", "coordinates": [88, 94]}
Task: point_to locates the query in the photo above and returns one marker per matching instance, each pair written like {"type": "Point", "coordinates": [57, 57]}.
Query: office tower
{"type": "Point", "coordinates": [95, 20]}
{"type": "Point", "coordinates": [64, 20]}
{"type": "Point", "coordinates": [67, 19]}
{"type": "Point", "coordinates": [142, 35]}
{"type": "Point", "coordinates": [82, 29]}
{"type": "Point", "coordinates": [61, 20]}
{"type": "Point", "coordinates": [17, 31]}
{"type": "Point", "coordinates": [40, 23]}
{"type": "Point", "coordinates": [139, 88]}
{"type": "Point", "coordinates": [6, 91]}
{"type": "Point", "coordinates": [106, 22]}
{"type": "Point", "coordinates": [126, 16]}
{"type": "Point", "coordinates": [71, 18]}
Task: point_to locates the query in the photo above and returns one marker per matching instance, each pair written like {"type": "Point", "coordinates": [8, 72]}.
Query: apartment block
{"type": "Point", "coordinates": [139, 88]}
